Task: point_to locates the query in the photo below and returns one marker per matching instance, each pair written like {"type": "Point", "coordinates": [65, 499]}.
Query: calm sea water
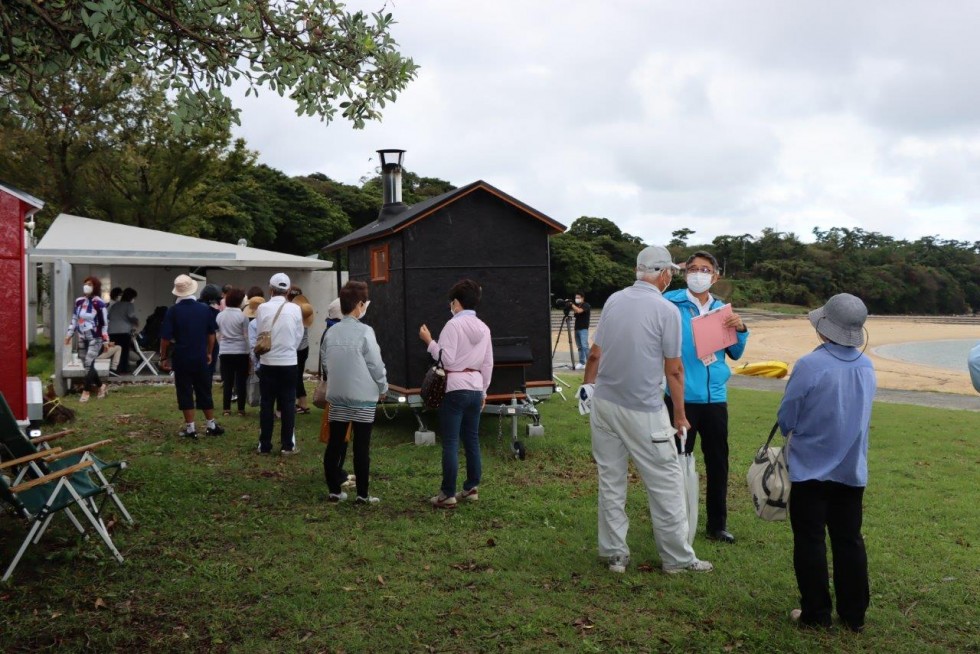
{"type": "Point", "coordinates": [940, 354]}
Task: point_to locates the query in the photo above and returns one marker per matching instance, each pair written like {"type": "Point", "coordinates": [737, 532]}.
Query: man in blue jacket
{"type": "Point", "coordinates": [705, 390]}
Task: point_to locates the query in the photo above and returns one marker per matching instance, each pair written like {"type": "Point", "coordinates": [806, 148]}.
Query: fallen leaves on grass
{"type": "Point", "coordinates": [472, 566]}
{"type": "Point", "coordinates": [584, 625]}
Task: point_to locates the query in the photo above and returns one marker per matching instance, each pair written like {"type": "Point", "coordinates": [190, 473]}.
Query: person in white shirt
{"type": "Point", "coordinates": [233, 338]}
{"type": "Point", "coordinates": [277, 371]}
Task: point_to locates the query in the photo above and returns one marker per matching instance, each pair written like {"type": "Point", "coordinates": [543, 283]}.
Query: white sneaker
{"type": "Point", "coordinates": [366, 500]}
{"type": "Point", "coordinates": [336, 497]}
{"type": "Point", "coordinates": [579, 366]}
{"type": "Point", "coordinates": [471, 495]}
{"type": "Point", "coordinates": [440, 501]}
{"type": "Point", "coordinates": [350, 483]}
{"type": "Point", "coordinates": [696, 566]}
{"type": "Point", "coordinates": [619, 563]}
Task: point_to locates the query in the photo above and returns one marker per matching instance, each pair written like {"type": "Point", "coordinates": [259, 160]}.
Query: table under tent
{"type": "Point", "coordinates": [411, 256]}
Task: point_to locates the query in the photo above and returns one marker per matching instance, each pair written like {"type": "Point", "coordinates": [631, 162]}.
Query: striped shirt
{"type": "Point", "coordinates": [351, 413]}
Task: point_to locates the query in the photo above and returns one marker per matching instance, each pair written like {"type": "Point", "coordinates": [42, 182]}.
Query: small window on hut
{"type": "Point", "coordinates": [379, 264]}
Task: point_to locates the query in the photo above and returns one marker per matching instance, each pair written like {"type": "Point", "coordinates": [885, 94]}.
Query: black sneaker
{"type": "Point", "coordinates": [187, 434]}
{"type": "Point", "coordinates": [217, 430]}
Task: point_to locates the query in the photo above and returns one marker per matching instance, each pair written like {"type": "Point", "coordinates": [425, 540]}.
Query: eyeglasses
{"type": "Point", "coordinates": [699, 269]}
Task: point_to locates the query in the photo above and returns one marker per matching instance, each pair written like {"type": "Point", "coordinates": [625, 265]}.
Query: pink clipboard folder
{"type": "Point", "coordinates": [710, 332]}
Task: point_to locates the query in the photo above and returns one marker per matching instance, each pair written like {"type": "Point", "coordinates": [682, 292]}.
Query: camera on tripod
{"type": "Point", "coordinates": [564, 304]}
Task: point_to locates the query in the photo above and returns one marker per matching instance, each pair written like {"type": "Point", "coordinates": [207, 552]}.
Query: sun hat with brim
{"type": "Point", "coordinates": [841, 320]}
{"type": "Point", "coordinates": [184, 286]}
{"type": "Point", "coordinates": [253, 305]}
{"type": "Point", "coordinates": [654, 258]}
{"type": "Point", "coordinates": [306, 308]}
{"type": "Point", "coordinates": [333, 311]}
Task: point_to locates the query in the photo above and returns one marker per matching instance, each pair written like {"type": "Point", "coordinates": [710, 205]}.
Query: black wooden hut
{"type": "Point", "coordinates": [411, 255]}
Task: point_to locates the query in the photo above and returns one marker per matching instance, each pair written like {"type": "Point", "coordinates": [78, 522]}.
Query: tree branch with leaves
{"type": "Point", "coordinates": [326, 58]}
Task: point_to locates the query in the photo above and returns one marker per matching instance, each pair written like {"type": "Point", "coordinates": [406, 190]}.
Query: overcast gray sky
{"type": "Point", "coordinates": [722, 117]}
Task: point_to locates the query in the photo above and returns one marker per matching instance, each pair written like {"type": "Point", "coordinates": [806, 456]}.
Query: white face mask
{"type": "Point", "coordinates": [87, 289]}
{"type": "Point", "coordinates": [699, 282]}
{"type": "Point", "coordinates": [578, 300]}
{"type": "Point", "coordinates": [364, 310]}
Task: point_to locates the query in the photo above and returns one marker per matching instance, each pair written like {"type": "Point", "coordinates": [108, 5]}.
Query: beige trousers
{"type": "Point", "coordinates": [619, 434]}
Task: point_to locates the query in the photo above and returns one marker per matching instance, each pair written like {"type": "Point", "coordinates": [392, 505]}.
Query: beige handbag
{"type": "Point", "coordinates": [263, 342]}
{"type": "Point", "coordinates": [320, 395]}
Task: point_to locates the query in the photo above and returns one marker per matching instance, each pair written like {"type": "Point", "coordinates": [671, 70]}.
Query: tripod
{"type": "Point", "coordinates": [565, 326]}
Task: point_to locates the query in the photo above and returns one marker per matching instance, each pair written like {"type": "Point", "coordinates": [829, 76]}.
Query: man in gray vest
{"type": "Point", "coordinates": [637, 341]}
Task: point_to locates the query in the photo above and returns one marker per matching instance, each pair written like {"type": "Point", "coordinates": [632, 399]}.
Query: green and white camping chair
{"type": "Point", "coordinates": [37, 501]}
{"type": "Point", "coordinates": [15, 444]}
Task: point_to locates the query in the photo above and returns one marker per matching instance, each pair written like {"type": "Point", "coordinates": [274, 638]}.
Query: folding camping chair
{"type": "Point", "coordinates": [146, 360]}
{"type": "Point", "coordinates": [17, 445]}
{"type": "Point", "coordinates": [38, 500]}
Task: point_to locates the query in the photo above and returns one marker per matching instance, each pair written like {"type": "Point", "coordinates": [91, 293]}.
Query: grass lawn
{"type": "Point", "coordinates": [235, 552]}
{"type": "Point", "coordinates": [791, 309]}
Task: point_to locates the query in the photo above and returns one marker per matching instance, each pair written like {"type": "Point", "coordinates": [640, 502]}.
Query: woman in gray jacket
{"type": "Point", "coordinates": [356, 382]}
{"type": "Point", "coordinates": [122, 325]}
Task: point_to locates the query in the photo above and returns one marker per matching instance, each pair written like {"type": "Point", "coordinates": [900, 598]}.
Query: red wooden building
{"type": "Point", "coordinates": [16, 211]}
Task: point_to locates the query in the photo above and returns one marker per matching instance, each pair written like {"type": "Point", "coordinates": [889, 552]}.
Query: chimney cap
{"type": "Point", "coordinates": [391, 157]}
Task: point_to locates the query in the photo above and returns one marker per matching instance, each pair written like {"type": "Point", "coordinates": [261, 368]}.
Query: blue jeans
{"type": "Point", "coordinates": [582, 340]}
{"type": "Point", "coordinates": [459, 417]}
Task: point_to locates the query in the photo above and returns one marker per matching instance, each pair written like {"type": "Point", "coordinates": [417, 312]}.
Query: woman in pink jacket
{"type": "Point", "coordinates": [467, 356]}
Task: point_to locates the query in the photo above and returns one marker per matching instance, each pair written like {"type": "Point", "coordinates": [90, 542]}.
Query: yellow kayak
{"type": "Point", "coordinates": [773, 369]}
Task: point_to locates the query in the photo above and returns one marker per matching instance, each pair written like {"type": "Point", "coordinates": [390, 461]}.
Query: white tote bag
{"type": "Point", "coordinates": [253, 395]}
{"type": "Point", "coordinates": [768, 480]}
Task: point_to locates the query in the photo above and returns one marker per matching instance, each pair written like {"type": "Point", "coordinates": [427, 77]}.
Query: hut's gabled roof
{"type": "Point", "coordinates": [416, 212]}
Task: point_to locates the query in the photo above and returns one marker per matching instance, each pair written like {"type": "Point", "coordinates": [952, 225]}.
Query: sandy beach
{"type": "Point", "coordinates": [787, 339]}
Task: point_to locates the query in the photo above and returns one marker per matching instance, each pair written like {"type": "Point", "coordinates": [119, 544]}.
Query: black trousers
{"type": "Point", "coordinates": [333, 456]}
{"type": "Point", "coordinates": [277, 385]}
{"type": "Point", "coordinates": [301, 356]}
{"type": "Point", "coordinates": [192, 382]}
{"type": "Point", "coordinates": [710, 421]}
{"type": "Point", "coordinates": [234, 379]}
{"type": "Point", "coordinates": [816, 506]}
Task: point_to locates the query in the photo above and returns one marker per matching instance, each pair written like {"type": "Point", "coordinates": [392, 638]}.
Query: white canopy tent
{"type": "Point", "coordinates": [149, 260]}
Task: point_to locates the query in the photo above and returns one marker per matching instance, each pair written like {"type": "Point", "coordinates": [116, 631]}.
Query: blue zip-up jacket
{"type": "Point", "coordinates": [703, 384]}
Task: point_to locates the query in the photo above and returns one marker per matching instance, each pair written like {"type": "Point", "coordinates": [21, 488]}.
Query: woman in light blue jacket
{"type": "Point", "coordinates": [356, 382]}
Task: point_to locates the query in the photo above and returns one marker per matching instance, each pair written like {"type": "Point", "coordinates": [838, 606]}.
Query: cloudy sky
{"type": "Point", "coordinates": [720, 116]}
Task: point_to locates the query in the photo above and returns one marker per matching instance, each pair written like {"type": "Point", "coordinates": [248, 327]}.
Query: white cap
{"type": "Point", "coordinates": [654, 258]}
{"type": "Point", "coordinates": [280, 281]}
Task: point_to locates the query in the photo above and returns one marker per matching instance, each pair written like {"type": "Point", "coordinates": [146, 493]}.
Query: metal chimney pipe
{"type": "Point", "coordinates": [391, 182]}
{"type": "Point", "coordinates": [391, 175]}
